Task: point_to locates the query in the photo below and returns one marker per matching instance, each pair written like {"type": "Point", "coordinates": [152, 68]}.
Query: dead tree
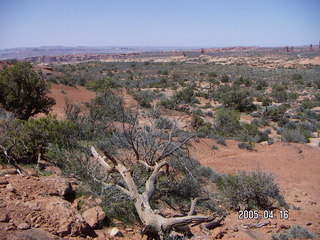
{"type": "Point", "coordinates": [150, 149]}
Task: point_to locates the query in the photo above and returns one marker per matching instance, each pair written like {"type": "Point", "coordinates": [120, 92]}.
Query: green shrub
{"type": "Point", "coordinates": [221, 140]}
{"type": "Point", "coordinates": [144, 98]}
{"type": "Point", "coordinates": [266, 101]}
{"type": "Point", "coordinates": [252, 190]}
{"type": "Point", "coordinates": [238, 99]}
{"type": "Point", "coordinates": [106, 107]}
{"type": "Point", "coordinates": [100, 85]}
{"type": "Point", "coordinates": [154, 112]}
{"type": "Point", "coordinates": [212, 75]}
{"type": "Point", "coordinates": [295, 135]}
{"type": "Point", "coordinates": [225, 79]}
{"type": "Point", "coordinates": [196, 121]}
{"type": "Point", "coordinates": [227, 122]}
{"type": "Point", "coordinates": [205, 130]}
{"type": "Point", "coordinates": [24, 92]}
{"type": "Point", "coordinates": [168, 103]}
{"type": "Point", "coordinates": [251, 133]}
{"type": "Point", "coordinates": [246, 145]}
{"type": "Point", "coordinates": [185, 96]}
{"type": "Point", "coordinates": [295, 232]}
{"type": "Point", "coordinates": [27, 139]}
{"type": "Point", "coordinates": [164, 123]}
{"type": "Point", "coordinates": [296, 76]}
{"type": "Point", "coordinates": [279, 93]}
{"type": "Point", "coordinates": [261, 84]}
{"type": "Point", "coordinates": [274, 113]}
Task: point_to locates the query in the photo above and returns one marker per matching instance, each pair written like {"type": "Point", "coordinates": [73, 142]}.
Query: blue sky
{"type": "Point", "coordinates": [180, 23]}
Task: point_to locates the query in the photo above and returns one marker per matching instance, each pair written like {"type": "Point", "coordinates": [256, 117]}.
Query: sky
{"type": "Point", "coordinates": [162, 23]}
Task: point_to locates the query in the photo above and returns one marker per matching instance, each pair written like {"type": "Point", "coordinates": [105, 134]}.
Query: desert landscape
{"type": "Point", "coordinates": [240, 121]}
{"type": "Point", "coordinates": [159, 120]}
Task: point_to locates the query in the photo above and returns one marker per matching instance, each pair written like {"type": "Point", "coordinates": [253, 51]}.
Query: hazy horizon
{"type": "Point", "coordinates": [167, 24]}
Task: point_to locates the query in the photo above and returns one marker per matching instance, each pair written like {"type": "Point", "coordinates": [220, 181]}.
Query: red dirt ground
{"type": "Point", "coordinates": [296, 173]}
{"type": "Point", "coordinates": [77, 95]}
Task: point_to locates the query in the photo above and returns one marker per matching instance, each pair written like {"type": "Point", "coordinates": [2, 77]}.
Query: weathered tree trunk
{"type": "Point", "coordinates": [155, 225]}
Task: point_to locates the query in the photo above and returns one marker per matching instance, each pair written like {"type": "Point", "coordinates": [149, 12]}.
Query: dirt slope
{"type": "Point", "coordinates": [77, 95]}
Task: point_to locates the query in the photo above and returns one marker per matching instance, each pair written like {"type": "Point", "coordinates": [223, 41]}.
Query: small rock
{"type": "Point", "coordinates": [3, 182]}
{"type": "Point", "coordinates": [23, 226]}
{"type": "Point", "coordinates": [11, 226]}
{"type": "Point", "coordinates": [10, 187]}
{"type": "Point", "coordinates": [115, 232]}
{"type": "Point", "coordinates": [8, 171]}
{"type": "Point", "coordinates": [309, 223]}
{"type": "Point", "coordinates": [129, 230]}
{"type": "Point", "coordinates": [4, 217]}
{"type": "Point", "coordinates": [94, 216]}
{"type": "Point", "coordinates": [235, 229]}
{"type": "Point", "coordinates": [220, 235]}
{"type": "Point", "coordinates": [304, 193]}
{"type": "Point", "coordinates": [298, 150]}
{"type": "Point", "coordinates": [284, 226]}
{"type": "Point", "coordinates": [34, 234]}
{"type": "Point", "coordinates": [298, 200]}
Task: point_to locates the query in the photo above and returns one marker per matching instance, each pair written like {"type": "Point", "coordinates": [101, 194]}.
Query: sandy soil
{"type": "Point", "coordinates": [77, 95]}
{"type": "Point", "coordinates": [295, 167]}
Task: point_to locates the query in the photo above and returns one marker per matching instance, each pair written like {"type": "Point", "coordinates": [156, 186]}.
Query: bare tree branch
{"type": "Point", "coordinates": [101, 160]}
{"type": "Point", "coordinates": [193, 204]}
{"type": "Point", "coordinates": [150, 183]}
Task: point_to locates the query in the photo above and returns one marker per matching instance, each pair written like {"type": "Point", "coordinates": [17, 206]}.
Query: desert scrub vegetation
{"type": "Point", "coordinates": [144, 97]}
{"type": "Point", "coordinates": [295, 232]}
{"type": "Point", "coordinates": [250, 190]}
{"type": "Point", "coordinates": [24, 91]}
{"type": "Point", "coordinates": [123, 141]}
{"type": "Point", "coordinates": [240, 100]}
{"type": "Point", "coordinates": [226, 122]}
{"type": "Point", "coordinates": [299, 132]}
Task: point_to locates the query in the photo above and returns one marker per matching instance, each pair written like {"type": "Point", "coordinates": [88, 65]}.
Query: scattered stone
{"type": "Point", "coordinates": [4, 217]}
{"type": "Point", "coordinates": [34, 234]}
{"type": "Point", "coordinates": [298, 150]}
{"type": "Point", "coordinates": [298, 200]}
{"type": "Point", "coordinates": [309, 223]}
{"type": "Point", "coordinates": [304, 193]}
{"type": "Point", "coordinates": [115, 232]}
{"type": "Point", "coordinates": [312, 203]}
{"type": "Point", "coordinates": [23, 226]}
{"type": "Point", "coordinates": [235, 229]}
{"type": "Point", "coordinates": [3, 182]}
{"type": "Point", "coordinates": [282, 226]}
{"type": "Point", "coordinates": [10, 187]}
{"type": "Point", "coordinates": [11, 227]}
{"type": "Point", "coordinates": [220, 235]}
{"type": "Point", "coordinates": [94, 216]}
